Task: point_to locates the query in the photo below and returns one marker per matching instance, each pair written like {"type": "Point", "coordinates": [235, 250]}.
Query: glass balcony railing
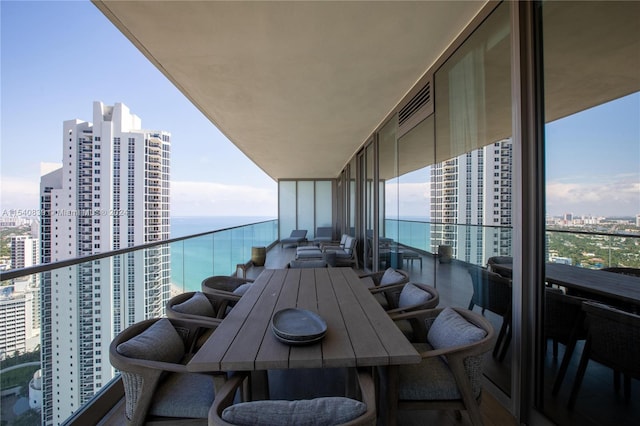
{"type": "Point", "coordinates": [470, 243]}
{"type": "Point", "coordinates": [587, 249]}
{"type": "Point", "coordinates": [87, 301]}
{"type": "Point", "coordinates": [593, 250]}
{"type": "Point", "coordinates": [127, 285]}
{"type": "Point", "coordinates": [217, 253]}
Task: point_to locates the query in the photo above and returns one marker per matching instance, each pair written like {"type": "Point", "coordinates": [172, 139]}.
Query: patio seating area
{"type": "Point", "coordinates": [216, 301]}
{"type": "Point", "coordinates": [455, 288]}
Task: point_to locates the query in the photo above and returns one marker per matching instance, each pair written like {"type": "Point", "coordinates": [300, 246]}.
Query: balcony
{"type": "Point", "coordinates": [313, 138]}
{"type": "Point", "coordinates": [412, 235]}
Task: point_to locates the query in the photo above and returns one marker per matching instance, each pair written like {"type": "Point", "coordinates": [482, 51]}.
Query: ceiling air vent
{"type": "Point", "coordinates": [419, 107]}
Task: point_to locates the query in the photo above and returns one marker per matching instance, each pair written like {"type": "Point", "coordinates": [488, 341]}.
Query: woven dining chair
{"type": "Point", "coordinates": [613, 339]}
{"type": "Point", "coordinates": [492, 292]}
{"type": "Point", "coordinates": [386, 285]}
{"type": "Point", "coordinates": [413, 297]}
{"type": "Point", "coordinates": [225, 289]}
{"type": "Point", "coordinates": [499, 260]}
{"type": "Point", "coordinates": [452, 343]}
{"type": "Point", "coordinates": [339, 411]}
{"type": "Point", "coordinates": [151, 356]}
{"type": "Point", "coordinates": [196, 305]}
{"type": "Point", "coordinates": [563, 323]}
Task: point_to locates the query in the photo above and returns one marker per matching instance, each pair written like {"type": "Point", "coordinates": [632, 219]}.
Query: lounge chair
{"type": "Point", "coordinates": [334, 245]}
{"type": "Point", "coordinates": [324, 234]}
{"type": "Point", "coordinates": [346, 256]}
{"type": "Point", "coordinates": [297, 236]}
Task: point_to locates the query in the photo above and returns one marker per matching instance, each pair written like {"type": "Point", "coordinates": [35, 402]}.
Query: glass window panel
{"type": "Point", "coordinates": [388, 154]}
{"type": "Point", "coordinates": [471, 179]}
{"type": "Point", "coordinates": [306, 209]}
{"type": "Point", "coordinates": [415, 155]}
{"type": "Point", "coordinates": [368, 197]}
{"type": "Point", "coordinates": [324, 205]}
{"type": "Point", "coordinates": [389, 167]}
{"type": "Point", "coordinates": [351, 228]}
{"type": "Point", "coordinates": [287, 207]}
{"type": "Point", "coordinates": [592, 172]}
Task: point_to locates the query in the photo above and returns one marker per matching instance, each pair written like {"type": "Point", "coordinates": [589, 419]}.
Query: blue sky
{"type": "Point", "coordinates": [593, 160]}
{"type": "Point", "coordinates": [57, 58]}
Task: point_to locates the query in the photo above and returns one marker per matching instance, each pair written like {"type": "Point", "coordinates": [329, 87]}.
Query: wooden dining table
{"type": "Point", "coordinates": [359, 331]}
{"type": "Point", "coordinates": [615, 288]}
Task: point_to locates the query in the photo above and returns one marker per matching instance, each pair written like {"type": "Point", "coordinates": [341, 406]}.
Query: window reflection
{"type": "Point", "coordinates": [592, 164]}
{"type": "Point", "coordinates": [470, 181]}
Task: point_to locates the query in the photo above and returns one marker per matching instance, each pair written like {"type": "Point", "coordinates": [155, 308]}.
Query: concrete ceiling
{"type": "Point", "coordinates": [296, 86]}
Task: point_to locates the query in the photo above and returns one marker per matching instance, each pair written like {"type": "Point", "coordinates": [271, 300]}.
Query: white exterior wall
{"type": "Point", "coordinates": [35, 391]}
{"type": "Point", "coordinates": [476, 206]}
{"type": "Point", "coordinates": [25, 251]}
{"type": "Point", "coordinates": [16, 314]}
{"type": "Point", "coordinates": [91, 303]}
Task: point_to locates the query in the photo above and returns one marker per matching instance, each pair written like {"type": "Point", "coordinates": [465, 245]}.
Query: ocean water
{"type": "Point", "coordinates": [195, 259]}
{"type": "Point", "coordinates": [414, 232]}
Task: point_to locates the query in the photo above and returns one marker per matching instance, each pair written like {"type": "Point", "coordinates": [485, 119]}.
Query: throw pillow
{"type": "Point", "coordinates": [198, 304]}
{"type": "Point", "coordinates": [159, 342]}
{"type": "Point", "coordinates": [391, 276]}
{"type": "Point", "coordinates": [412, 295]}
{"type": "Point", "coordinates": [451, 329]}
{"type": "Point", "coordinates": [242, 289]}
{"type": "Point", "coordinates": [325, 411]}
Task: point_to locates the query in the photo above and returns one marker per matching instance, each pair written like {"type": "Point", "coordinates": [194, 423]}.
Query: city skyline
{"type": "Point", "coordinates": [92, 61]}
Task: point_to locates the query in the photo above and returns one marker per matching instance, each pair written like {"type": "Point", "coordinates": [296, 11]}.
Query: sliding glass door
{"type": "Point", "coordinates": [592, 142]}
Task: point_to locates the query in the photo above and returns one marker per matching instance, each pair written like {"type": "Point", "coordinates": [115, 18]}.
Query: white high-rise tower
{"type": "Point", "coordinates": [19, 304]}
{"type": "Point", "coordinates": [471, 207]}
{"type": "Point", "coordinates": [112, 192]}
